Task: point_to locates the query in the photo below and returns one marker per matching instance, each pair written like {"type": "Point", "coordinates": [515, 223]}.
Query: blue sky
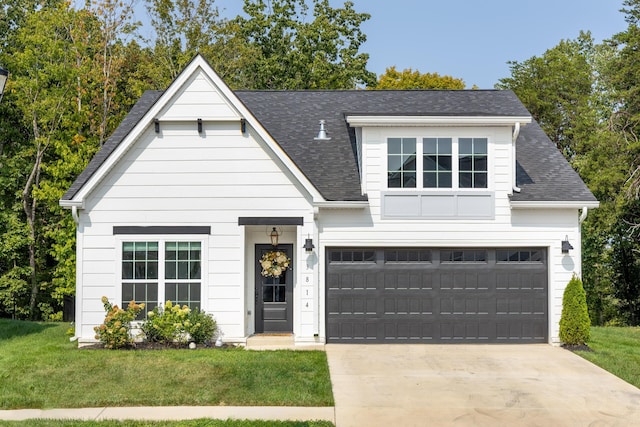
{"type": "Point", "coordinates": [471, 39]}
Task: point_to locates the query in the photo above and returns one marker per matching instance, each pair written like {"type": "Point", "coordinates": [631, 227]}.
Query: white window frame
{"type": "Point", "coordinates": [162, 280]}
{"type": "Point", "coordinates": [455, 159]}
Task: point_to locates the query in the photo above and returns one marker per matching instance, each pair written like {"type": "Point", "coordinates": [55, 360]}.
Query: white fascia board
{"type": "Point", "coordinates": [68, 204]}
{"type": "Point", "coordinates": [342, 205]}
{"type": "Point", "coordinates": [197, 63]}
{"type": "Point", "coordinates": [554, 205]}
{"type": "Point", "coordinates": [372, 121]}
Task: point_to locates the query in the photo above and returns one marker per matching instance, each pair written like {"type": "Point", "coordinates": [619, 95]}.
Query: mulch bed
{"type": "Point", "coordinates": [582, 347]}
{"type": "Point", "coordinates": [155, 346]}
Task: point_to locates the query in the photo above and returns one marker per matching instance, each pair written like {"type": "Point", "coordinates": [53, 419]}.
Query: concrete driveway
{"type": "Point", "coordinates": [475, 385]}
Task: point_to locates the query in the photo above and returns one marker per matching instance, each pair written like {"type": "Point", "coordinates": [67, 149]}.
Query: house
{"type": "Point", "coordinates": [406, 216]}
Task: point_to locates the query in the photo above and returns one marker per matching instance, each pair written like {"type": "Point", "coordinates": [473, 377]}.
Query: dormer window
{"type": "Point", "coordinates": [401, 163]}
{"type": "Point", "coordinates": [445, 162]}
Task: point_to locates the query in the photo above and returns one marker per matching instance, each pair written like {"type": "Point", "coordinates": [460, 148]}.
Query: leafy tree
{"type": "Point", "coordinates": [183, 28]}
{"type": "Point", "coordinates": [574, 321]}
{"type": "Point", "coordinates": [291, 50]}
{"type": "Point", "coordinates": [557, 88]}
{"type": "Point", "coordinates": [410, 79]}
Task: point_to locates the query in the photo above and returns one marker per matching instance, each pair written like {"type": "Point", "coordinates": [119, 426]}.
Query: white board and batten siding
{"type": "Point", "coordinates": [179, 177]}
{"type": "Point", "coordinates": [507, 227]}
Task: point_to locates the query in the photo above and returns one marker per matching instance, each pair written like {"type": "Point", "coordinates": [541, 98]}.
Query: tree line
{"type": "Point", "coordinates": [76, 72]}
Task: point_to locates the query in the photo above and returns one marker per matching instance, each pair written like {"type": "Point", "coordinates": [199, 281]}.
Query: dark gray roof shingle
{"type": "Point", "coordinates": [542, 172]}
{"type": "Point", "coordinates": [292, 119]}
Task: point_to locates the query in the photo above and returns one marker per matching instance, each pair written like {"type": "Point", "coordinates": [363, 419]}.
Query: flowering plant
{"type": "Point", "coordinates": [274, 263]}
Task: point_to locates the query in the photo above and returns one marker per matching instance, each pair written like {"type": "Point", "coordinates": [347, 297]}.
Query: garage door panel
{"type": "Point", "coordinates": [417, 297]}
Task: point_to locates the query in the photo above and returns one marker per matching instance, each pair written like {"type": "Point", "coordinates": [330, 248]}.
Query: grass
{"type": "Point", "coordinates": [617, 350]}
{"type": "Point", "coordinates": [190, 423]}
{"type": "Point", "coordinates": [40, 368]}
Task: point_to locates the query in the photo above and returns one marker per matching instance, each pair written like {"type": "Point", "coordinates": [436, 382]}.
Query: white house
{"type": "Point", "coordinates": [419, 216]}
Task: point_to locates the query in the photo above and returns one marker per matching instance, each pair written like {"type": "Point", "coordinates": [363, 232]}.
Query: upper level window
{"type": "Point", "coordinates": [472, 158]}
{"type": "Point", "coordinates": [401, 172]}
{"type": "Point", "coordinates": [436, 163]}
{"type": "Point", "coordinates": [445, 163]}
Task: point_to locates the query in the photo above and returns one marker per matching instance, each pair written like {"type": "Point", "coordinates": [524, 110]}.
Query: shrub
{"type": "Point", "coordinates": [115, 331]}
{"type": "Point", "coordinates": [575, 326]}
{"type": "Point", "coordinates": [166, 325]}
{"type": "Point", "coordinates": [202, 326]}
{"type": "Point", "coordinates": [173, 324]}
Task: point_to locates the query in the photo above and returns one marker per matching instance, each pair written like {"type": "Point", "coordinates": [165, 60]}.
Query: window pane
{"type": "Point", "coordinates": [409, 146]}
{"type": "Point", "coordinates": [480, 164]}
{"type": "Point", "coordinates": [444, 146]}
{"type": "Point", "coordinates": [195, 270]}
{"type": "Point", "coordinates": [465, 146]}
{"type": "Point", "coordinates": [281, 294]}
{"type": "Point", "coordinates": [429, 163]}
{"type": "Point", "coordinates": [466, 180]}
{"type": "Point", "coordinates": [444, 163]}
{"type": "Point", "coordinates": [183, 253]}
{"type": "Point", "coordinates": [170, 270]}
{"type": "Point", "coordinates": [140, 270]}
{"type": "Point", "coordinates": [127, 292]}
{"type": "Point", "coordinates": [152, 270]}
{"type": "Point", "coordinates": [429, 180]}
{"type": "Point", "coordinates": [394, 146]}
{"type": "Point", "coordinates": [480, 145]}
{"type": "Point", "coordinates": [395, 163]}
{"type": "Point", "coordinates": [127, 270]}
{"type": "Point", "coordinates": [409, 180]}
{"type": "Point", "coordinates": [170, 292]}
{"type": "Point", "coordinates": [409, 163]}
{"type": "Point", "coordinates": [152, 292]}
{"type": "Point", "coordinates": [183, 292]}
{"type": "Point", "coordinates": [465, 163]}
{"type": "Point", "coordinates": [444, 179]}
{"type": "Point", "coordinates": [183, 270]}
{"type": "Point", "coordinates": [194, 289]}
{"type": "Point", "coordinates": [429, 146]}
{"type": "Point", "coordinates": [480, 180]}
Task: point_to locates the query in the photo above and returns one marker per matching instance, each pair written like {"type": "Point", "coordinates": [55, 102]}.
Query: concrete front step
{"type": "Point", "coordinates": [279, 342]}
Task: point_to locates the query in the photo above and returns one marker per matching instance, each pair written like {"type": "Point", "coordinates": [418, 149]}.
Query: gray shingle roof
{"type": "Point", "coordinates": [542, 172]}
{"type": "Point", "coordinates": [291, 118]}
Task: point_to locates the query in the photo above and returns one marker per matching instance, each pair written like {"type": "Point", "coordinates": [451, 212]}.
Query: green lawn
{"type": "Point", "coordinates": [40, 368]}
{"type": "Point", "coordinates": [617, 350]}
{"type": "Point", "coordinates": [190, 423]}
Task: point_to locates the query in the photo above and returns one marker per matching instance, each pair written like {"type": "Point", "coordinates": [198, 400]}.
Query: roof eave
{"type": "Point", "coordinates": [380, 120]}
{"type": "Point", "coordinates": [554, 204]}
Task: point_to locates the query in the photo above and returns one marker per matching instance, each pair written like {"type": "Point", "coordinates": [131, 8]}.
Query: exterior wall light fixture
{"type": "Point", "coordinates": [566, 246]}
{"type": "Point", "coordinates": [308, 245]}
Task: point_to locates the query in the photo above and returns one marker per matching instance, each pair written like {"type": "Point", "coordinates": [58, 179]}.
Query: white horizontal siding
{"type": "Point", "coordinates": [199, 99]}
{"type": "Point", "coordinates": [180, 177]}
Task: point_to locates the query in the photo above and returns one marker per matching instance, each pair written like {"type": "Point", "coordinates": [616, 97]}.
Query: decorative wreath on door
{"type": "Point", "coordinates": [274, 263]}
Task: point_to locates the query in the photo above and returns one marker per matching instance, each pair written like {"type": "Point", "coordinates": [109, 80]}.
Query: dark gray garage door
{"type": "Point", "coordinates": [395, 295]}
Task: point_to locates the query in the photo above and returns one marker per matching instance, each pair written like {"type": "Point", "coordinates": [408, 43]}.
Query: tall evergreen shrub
{"type": "Point", "coordinates": [575, 326]}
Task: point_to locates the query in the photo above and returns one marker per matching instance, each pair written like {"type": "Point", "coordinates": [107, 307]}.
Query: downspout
{"type": "Point", "coordinates": [75, 214]}
{"type": "Point", "coordinates": [514, 137]}
{"type": "Point", "coordinates": [583, 214]}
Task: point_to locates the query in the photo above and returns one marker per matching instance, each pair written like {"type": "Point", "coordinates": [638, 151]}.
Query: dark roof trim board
{"type": "Point", "coordinates": [260, 220]}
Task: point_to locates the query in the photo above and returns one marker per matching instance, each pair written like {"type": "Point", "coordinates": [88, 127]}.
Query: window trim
{"type": "Point", "coordinates": [162, 280]}
{"type": "Point", "coordinates": [455, 159]}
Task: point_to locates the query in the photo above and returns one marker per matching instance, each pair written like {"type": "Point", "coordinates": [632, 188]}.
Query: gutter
{"type": "Point", "coordinates": [583, 214]}
{"type": "Point", "coordinates": [514, 137]}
